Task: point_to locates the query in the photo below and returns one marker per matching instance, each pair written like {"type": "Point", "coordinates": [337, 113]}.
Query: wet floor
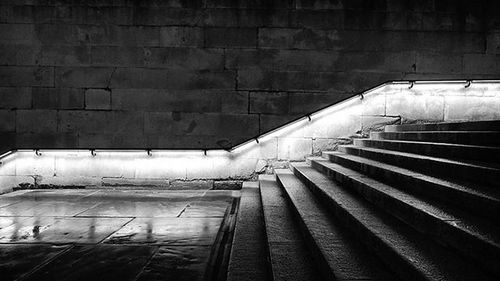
{"type": "Point", "coordinates": [113, 234]}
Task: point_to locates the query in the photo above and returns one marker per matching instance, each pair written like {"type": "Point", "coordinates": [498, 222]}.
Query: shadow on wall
{"type": "Point", "coordinates": [390, 103]}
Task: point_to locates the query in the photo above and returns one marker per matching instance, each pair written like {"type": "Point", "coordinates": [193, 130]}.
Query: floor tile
{"type": "Point", "coordinates": [180, 263]}
{"type": "Point", "coordinates": [99, 262]}
{"type": "Point", "coordinates": [17, 260]}
{"type": "Point", "coordinates": [148, 209]}
{"type": "Point", "coordinates": [45, 208]}
{"type": "Point", "coordinates": [60, 230]}
{"type": "Point", "coordinates": [168, 231]}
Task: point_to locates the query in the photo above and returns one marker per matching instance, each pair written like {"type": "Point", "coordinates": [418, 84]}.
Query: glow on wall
{"type": "Point", "coordinates": [420, 100]}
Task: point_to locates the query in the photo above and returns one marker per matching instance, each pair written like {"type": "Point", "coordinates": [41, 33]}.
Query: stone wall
{"type": "Point", "coordinates": [212, 73]}
{"type": "Point", "coordinates": [173, 169]}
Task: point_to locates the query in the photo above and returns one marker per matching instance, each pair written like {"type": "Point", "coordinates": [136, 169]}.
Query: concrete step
{"type": "Point", "coordinates": [339, 256]}
{"type": "Point", "coordinates": [444, 150]}
{"type": "Point", "coordinates": [474, 198]}
{"type": "Point", "coordinates": [288, 253]}
{"type": "Point", "coordinates": [248, 258]}
{"type": "Point", "coordinates": [493, 125]}
{"type": "Point", "coordinates": [485, 138]}
{"type": "Point", "coordinates": [469, 235]}
{"type": "Point", "coordinates": [412, 255]}
{"type": "Point", "coordinates": [440, 167]}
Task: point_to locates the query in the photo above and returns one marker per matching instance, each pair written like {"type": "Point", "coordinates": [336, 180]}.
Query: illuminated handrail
{"type": "Point", "coordinates": [268, 134]}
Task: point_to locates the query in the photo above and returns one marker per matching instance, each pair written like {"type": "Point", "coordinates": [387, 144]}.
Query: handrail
{"type": "Point", "coordinates": [307, 117]}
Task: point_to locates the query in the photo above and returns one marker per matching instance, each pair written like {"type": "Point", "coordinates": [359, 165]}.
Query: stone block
{"type": "Point", "coordinates": [294, 149]}
{"type": "Point", "coordinates": [170, 100]}
{"type": "Point", "coordinates": [177, 123]}
{"type": "Point", "coordinates": [438, 63]}
{"type": "Point", "coordinates": [230, 17]}
{"type": "Point", "coordinates": [12, 54]}
{"type": "Point", "coordinates": [275, 4]}
{"type": "Point", "coordinates": [17, 33]}
{"type": "Point", "coordinates": [191, 185]}
{"type": "Point", "coordinates": [227, 185]}
{"type": "Point", "coordinates": [481, 64]}
{"type": "Point", "coordinates": [181, 36]}
{"type": "Point", "coordinates": [184, 58]}
{"type": "Point", "coordinates": [58, 98]}
{"type": "Point", "coordinates": [112, 140]}
{"type": "Point", "coordinates": [290, 38]}
{"type": "Point", "coordinates": [304, 102]}
{"type": "Point", "coordinates": [44, 140]}
{"type": "Point", "coordinates": [322, 19]}
{"type": "Point", "coordinates": [231, 37]}
{"type": "Point", "coordinates": [99, 99]}
{"type": "Point", "coordinates": [165, 16]}
{"type": "Point", "coordinates": [83, 77]}
{"type": "Point", "coordinates": [415, 107]}
{"type": "Point", "coordinates": [61, 34]}
{"type": "Point", "coordinates": [269, 121]}
{"type": "Point", "coordinates": [471, 108]}
{"type": "Point", "coordinates": [64, 55]}
{"type": "Point", "coordinates": [135, 182]}
{"type": "Point", "coordinates": [7, 120]}
{"type": "Point", "coordinates": [244, 125]}
{"type": "Point", "coordinates": [493, 43]}
{"type": "Point", "coordinates": [234, 101]}
{"type": "Point", "coordinates": [175, 80]}
{"type": "Point", "coordinates": [269, 102]}
{"type": "Point", "coordinates": [105, 122]}
{"type": "Point", "coordinates": [26, 76]}
{"type": "Point", "coordinates": [15, 98]}
{"type": "Point", "coordinates": [36, 121]}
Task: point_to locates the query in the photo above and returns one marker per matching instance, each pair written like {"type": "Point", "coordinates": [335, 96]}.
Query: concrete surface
{"type": "Point", "coordinates": [110, 235]}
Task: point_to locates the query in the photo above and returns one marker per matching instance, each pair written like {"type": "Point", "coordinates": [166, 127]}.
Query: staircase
{"type": "Point", "coordinates": [415, 202]}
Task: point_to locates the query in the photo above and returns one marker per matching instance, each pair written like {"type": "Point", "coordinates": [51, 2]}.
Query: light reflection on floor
{"type": "Point", "coordinates": [110, 234]}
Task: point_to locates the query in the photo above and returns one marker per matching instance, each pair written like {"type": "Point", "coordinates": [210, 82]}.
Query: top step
{"type": "Point", "coordinates": [492, 125]}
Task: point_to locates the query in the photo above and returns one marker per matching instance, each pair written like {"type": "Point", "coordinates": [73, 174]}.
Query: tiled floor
{"type": "Point", "coordinates": [110, 234]}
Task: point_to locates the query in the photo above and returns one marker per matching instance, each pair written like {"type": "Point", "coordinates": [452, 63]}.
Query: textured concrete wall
{"type": "Point", "coordinates": [211, 73]}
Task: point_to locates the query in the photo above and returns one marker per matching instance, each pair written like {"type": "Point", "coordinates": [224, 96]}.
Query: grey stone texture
{"type": "Point", "coordinates": [239, 68]}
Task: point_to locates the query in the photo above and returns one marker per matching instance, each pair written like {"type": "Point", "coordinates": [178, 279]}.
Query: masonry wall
{"type": "Point", "coordinates": [212, 73]}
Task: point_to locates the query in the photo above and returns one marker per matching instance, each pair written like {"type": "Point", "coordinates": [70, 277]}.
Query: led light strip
{"type": "Point", "coordinates": [261, 138]}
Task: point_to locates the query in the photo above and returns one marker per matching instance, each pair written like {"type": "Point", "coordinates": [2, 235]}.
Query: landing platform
{"type": "Point", "coordinates": [113, 234]}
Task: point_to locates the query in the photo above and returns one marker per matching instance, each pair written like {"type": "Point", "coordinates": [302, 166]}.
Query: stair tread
{"type": "Point", "coordinates": [493, 148]}
{"type": "Point", "coordinates": [283, 235]}
{"type": "Point", "coordinates": [435, 262]}
{"type": "Point", "coordinates": [445, 125]}
{"type": "Point", "coordinates": [345, 257]}
{"type": "Point", "coordinates": [489, 193]}
{"type": "Point", "coordinates": [424, 157]}
{"type": "Point", "coordinates": [458, 219]}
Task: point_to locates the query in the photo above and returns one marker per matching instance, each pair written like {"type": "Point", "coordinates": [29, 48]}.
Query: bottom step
{"type": "Point", "coordinates": [290, 259]}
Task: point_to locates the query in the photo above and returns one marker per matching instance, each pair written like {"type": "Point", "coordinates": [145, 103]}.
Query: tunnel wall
{"type": "Point", "coordinates": [212, 73]}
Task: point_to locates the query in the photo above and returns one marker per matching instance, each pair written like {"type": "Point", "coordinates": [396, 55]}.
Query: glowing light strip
{"type": "Point", "coordinates": [263, 137]}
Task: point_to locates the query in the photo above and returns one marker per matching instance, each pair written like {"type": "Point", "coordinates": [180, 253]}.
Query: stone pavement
{"type": "Point", "coordinates": [112, 234]}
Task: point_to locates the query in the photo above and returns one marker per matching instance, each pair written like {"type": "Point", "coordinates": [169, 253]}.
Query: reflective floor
{"type": "Point", "coordinates": [112, 235]}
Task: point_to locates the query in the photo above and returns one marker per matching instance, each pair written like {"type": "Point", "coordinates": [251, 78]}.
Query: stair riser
{"type": "Point", "coordinates": [450, 170]}
{"type": "Point", "coordinates": [440, 230]}
{"type": "Point", "coordinates": [475, 204]}
{"type": "Point", "coordinates": [491, 155]}
{"type": "Point", "coordinates": [471, 138]}
{"type": "Point", "coordinates": [373, 242]}
{"type": "Point", "coordinates": [315, 250]}
{"type": "Point", "coordinates": [465, 126]}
